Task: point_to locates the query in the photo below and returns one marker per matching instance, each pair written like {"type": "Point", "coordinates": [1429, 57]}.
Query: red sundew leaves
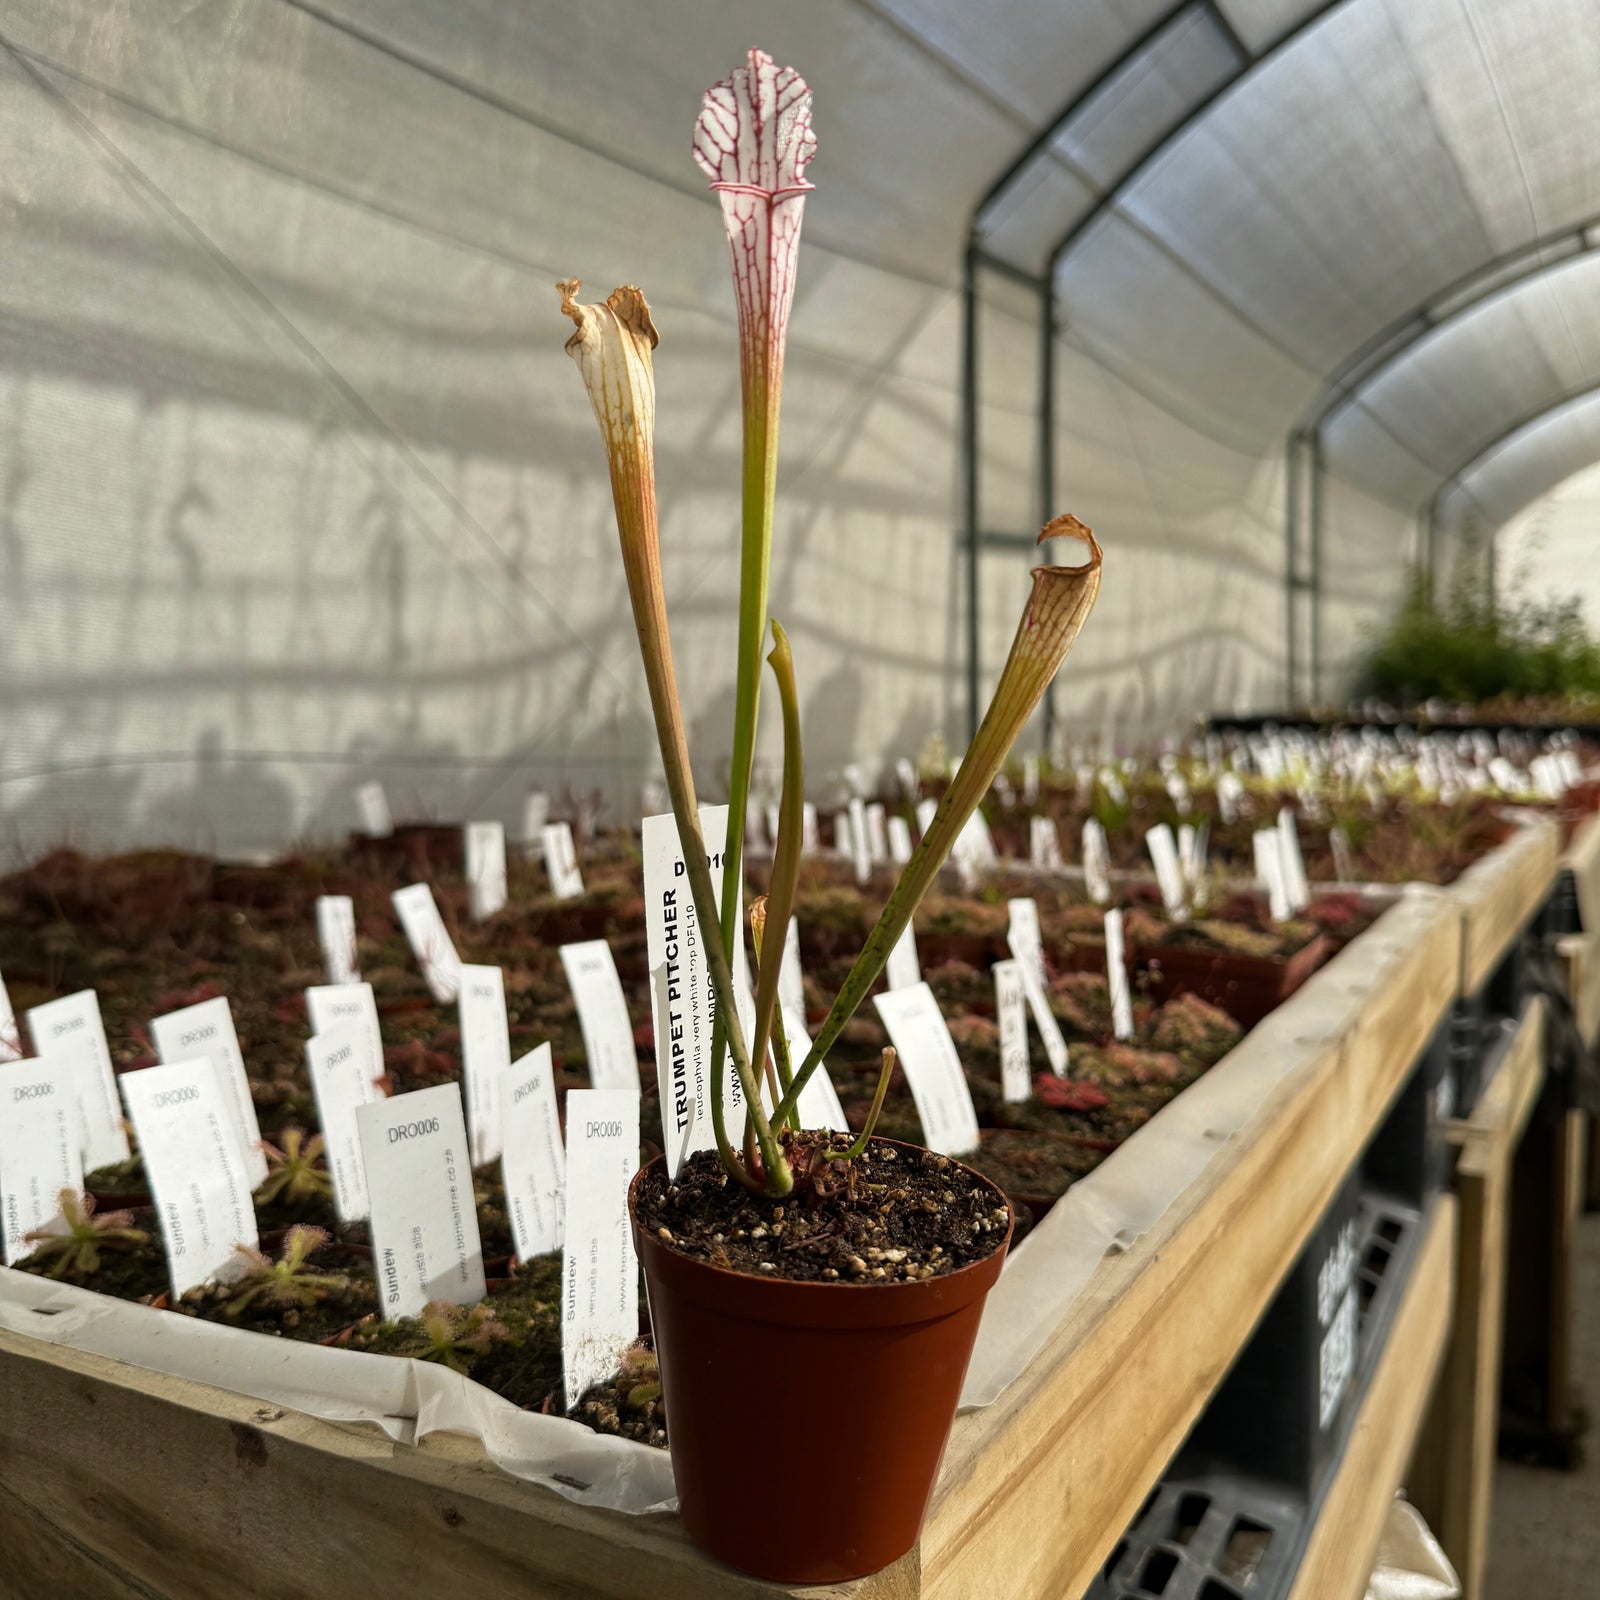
{"type": "Point", "coordinates": [1068, 1094]}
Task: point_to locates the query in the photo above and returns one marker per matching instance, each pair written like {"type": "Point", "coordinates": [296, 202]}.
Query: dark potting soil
{"type": "Point", "coordinates": [126, 1269]}
{"type": "Point", "coordinates": [316, 1311]}
{"type": "Point", "coordinates": [895, 1214]}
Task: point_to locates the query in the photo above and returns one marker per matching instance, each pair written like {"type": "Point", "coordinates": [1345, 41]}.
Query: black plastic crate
{"type": "Point", "coordinates": [1562, 912]}
{"type": "Point", "coordinates": [1408, 1157]}
{"type": "Point", "coordinates": [1233, 1516]}
{"type": "Point", "coordinates": [1207, 1538]}
{"type": "Point", "coordinates": [1477, 1025]}
{"type": "Point", "coordinates": [1276, 1415]}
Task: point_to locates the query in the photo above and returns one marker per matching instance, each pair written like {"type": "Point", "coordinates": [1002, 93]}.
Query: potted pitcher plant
{"type": "Point", "coordinates": [802, 1285]}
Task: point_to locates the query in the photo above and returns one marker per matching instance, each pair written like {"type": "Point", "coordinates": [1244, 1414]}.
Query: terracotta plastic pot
{"type": "Point", "coordinates": [807, 1420]}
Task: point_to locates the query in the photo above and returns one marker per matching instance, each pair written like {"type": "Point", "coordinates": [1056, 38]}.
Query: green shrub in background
{"type": "Point", "coordinates": [1475, 646]}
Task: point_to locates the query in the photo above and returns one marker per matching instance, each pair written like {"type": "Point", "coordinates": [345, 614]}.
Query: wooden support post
{"type": "Point", "coordinates": [1452, 1474]}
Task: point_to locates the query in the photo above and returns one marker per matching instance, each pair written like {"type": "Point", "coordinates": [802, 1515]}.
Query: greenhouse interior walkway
{"type": "Point", "coordinates": [1546, 1538]}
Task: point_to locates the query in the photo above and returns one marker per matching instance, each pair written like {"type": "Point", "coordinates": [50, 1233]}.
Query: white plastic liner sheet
{"type": "Point", "coordinates": [1108, 1210]}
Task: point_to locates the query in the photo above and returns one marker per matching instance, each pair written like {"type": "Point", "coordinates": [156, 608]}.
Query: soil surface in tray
{"type": "Point", "coordinates": [891, 1215]}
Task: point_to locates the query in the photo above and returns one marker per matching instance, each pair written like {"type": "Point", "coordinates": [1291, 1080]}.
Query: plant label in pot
{"type": "Point", "coordinates": [591, 971]}
{"type": "Point", "coordinates": [206, 1030]}
{"type": "Point", "coordinates": [38, 1150]}
{"type": "Point", "coordinates": [600, 1271]}
{"type": "Point", "coordinates": [342, 1079]}
{"type": "Point", "coordinates": [202, 1191]}
{"type": "Point", "coordinates": [336, 933]}
{"type": "Point", "coordinates": [425, 1243]}
{"type": "Point", "coordinates": [71, 1032]}
{"type": "Point", "coordinates": [430, 940]}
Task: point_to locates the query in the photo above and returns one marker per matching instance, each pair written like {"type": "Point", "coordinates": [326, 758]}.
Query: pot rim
{"type": "Point", "coordinates": [808, 1301]}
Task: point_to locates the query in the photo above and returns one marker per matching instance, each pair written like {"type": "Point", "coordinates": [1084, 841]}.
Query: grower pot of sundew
{"type": "Point", "coordinates": [814, 1302]}
{"type": "Point", "coordinates": [867, 1344]}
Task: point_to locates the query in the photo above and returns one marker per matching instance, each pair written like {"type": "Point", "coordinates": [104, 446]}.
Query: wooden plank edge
{"type": "Point", "coordinates": [1075, 1445]}
{"type": "Point", "coordinates": [1497, 1121]}
{"type": "Point", "coordinates": [1343, 1546]}
{"type": "Point", "coordinates": [1582, 859]}
{"type": "Point", "coordinates": [122, 1482]}
{"type": "Point", "coordinates": [1499, 895]}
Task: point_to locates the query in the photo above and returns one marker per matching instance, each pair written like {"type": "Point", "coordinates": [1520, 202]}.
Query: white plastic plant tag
{"type": "Point", "coordinates": [903, 969]}
{"type": "Point", "coordinates": [818, 1105]}
{"type": "Point", "coordinates": [1506, 777]}
{"type": "Point", "coordinates": [856, 780]}
{"type": "Point", "coordinates": [899, 841]}
{"type": "Point", "coordinates": [1117, 977]}
{"type": "Point", "coordinates": [485, 1056]}
{"type": "Point", "coordinates": [1096, 862]}
{"type": "Point", "coordinates": [808, 829]}
{"type": "Point", "coordinates": [791, 980]}
{"type": "Point", "coordinates": [207, 1030]}
{"type": "Point", "coordinates": [200, 1187]}
{"type": "Point", "coordinates": [342, 1080]}
{"type": "Point", "coordinates": [336, 933]}
{"type": "Point", "coordinates": [910, 783]}
{"type": "Point", "coordinates": [71, 1029]}
{"type": "Point", "coordinates": [591, 972]}
{"type": "Point", "coordinates": [926, 811]}
{"type": "Point", "coordinates": [1163, 850]}
{"type": "Point", "coordinates": [932, 1067]}
{"type": "Point", "coordinates": [774, 815]}
{"type": "Point", "coordinates": [682, 1002]}
{"type": "Point", "coordinates": [1192, 849]}
{"type": "Point", "coordinates": [535, 814]}
{"type": "Point", "coordinates": [430, 940]}
{"type": "Point", "coordinates": [1267, 844]}
{"type": "Point", "coordinates": [1343, 867]}
{"type": "Point", "coordinates": [1030, 780]}
{"type": "Point", "coordinates": [843, 835]}
{"type": "Point", "coordinates": [486, 868]}
{"type": "Point", "coordinates": [1178, 793]}
{"type": "Point", "coordinates": [1011, 1012]}
{"type": "Point", "coordinates": [38, 1151]}
{"type": "Point", "coordinates": [561, 861]}
{"type": "Point", "coordinates": [373, 804]}
{"type": "Point", "coordinates": [754, 828]}
{"type": "Point", "coordinates": [1295, 886]}
{"type": "Point", "coordinates": [1113, 786]}
{"type": "Point", "coordinates": [1026, 943]}
{"type": "Point", "coordinates": [860, 844]}
{"type": "Point", "coordinates": [600, 1278]}
{"type": "Point", "coordinates": [877, 832]}
{"type": "Point", "coordinates": [425, 1242]}
{"type": "Point", "coordinates": [1571, 767]}
{"type": "Point", "coordinates": [1230, 791]}
{"type": "Point", "coordinates": [1044, 844]}
{"type": "Point", "coordinates": [10, 1034]}
{"type": "Point", "coordinates": [534, 1163]}
{"type": "Point", "coordinates": [342, 1005]}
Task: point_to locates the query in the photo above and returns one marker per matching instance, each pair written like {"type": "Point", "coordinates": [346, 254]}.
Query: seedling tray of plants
{"type": "Point", "coordinates": [1287, 1114]}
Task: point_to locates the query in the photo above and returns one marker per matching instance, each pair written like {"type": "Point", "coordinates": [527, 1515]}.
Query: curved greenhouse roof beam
{"type": "Point", "coordinates": [1519, 434]}
{"type": "Point", "coordinates": [1470, 292]}
{"type": "Point", "coordinates": [1151, 153]}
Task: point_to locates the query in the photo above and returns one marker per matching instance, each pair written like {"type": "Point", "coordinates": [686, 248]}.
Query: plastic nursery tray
{"type": "Point", "coordinates": [1246, 987]}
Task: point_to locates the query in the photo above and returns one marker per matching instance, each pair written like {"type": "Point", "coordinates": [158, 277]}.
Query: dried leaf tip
{"type": "Point", "coordinates": [627, 306]}
{"type": "Point", "coordinates": [1067, 526]}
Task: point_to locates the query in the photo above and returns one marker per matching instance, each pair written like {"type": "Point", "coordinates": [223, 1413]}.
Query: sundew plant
{"type": "Point", "coordinates": [754, 141]}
